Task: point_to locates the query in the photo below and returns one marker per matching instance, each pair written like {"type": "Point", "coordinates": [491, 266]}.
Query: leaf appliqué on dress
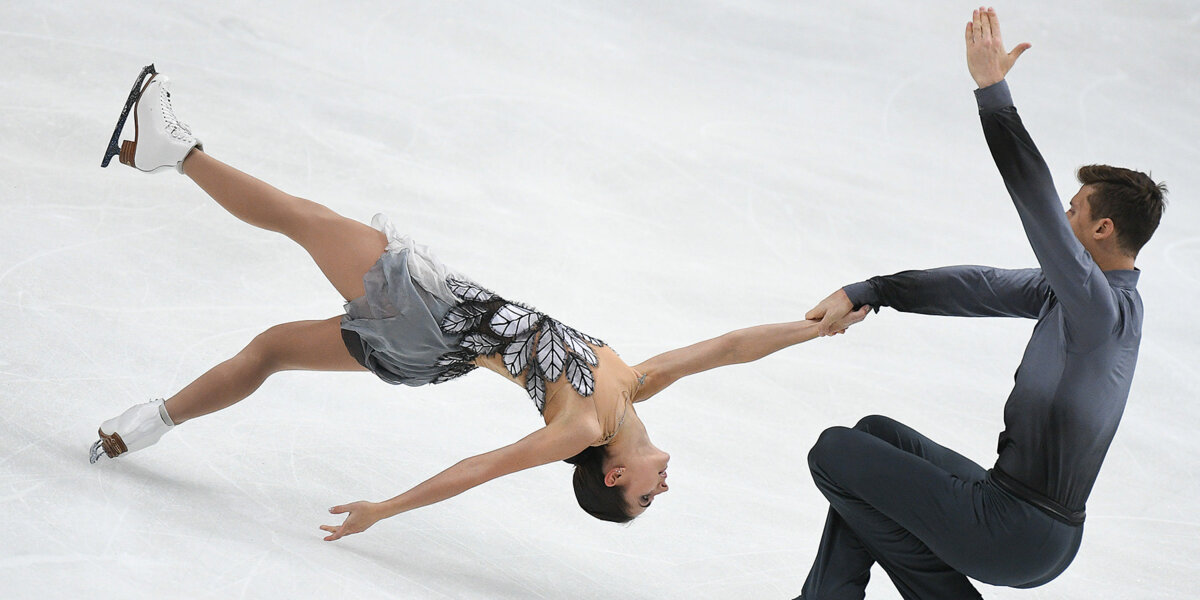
{"type": "Point", "coordinates": [482, 343]}
{"type": "Point", "coordinates": [580, 376]}
{"type": "Point", "coordinates": [530, 342]}
{"type": "Point", "coordinates": [512, 319]}
{"type": "Point", "coordinates": [577, 344]}
{"type": "Point", "coordinates": [551, 353]}
{"type": "Point", "coordinates": [516, 354]}
{"type": "Point", "coordinates": [469, 290]}
{"type": "Point", "coordinates": [463, 317]}
{"type": "Point", "coordinates": [535, 386]}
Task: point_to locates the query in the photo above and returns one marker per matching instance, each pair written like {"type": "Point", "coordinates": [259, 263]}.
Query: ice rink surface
{"type": "Point", "coordinates": [652, 173]}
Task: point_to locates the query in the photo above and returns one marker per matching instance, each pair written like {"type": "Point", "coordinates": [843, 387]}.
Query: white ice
{"type": "Point", "coordinates": [653, 173]}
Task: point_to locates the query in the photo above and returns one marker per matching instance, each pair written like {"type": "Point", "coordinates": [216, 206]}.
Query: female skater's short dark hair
{"type": "Point", "coordinates": [1130, 198]}
{"type": "Point", "coordinates": [599, 500]}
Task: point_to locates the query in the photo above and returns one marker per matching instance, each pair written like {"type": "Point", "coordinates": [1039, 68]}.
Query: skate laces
{"type": "Point", "coordinates": [175, 128]}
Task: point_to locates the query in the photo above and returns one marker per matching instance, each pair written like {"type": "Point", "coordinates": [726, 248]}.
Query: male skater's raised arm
{"type": "Point", "coordinates": [1077, 280]}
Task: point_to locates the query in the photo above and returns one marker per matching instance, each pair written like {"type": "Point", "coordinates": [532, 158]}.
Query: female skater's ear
{"type": "Point", "coordinates": [611, 479]}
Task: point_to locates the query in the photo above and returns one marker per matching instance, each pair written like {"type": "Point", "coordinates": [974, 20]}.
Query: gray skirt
{"type": "Point", "coordinates": [418, 322]}
{"type": "Point", "coordinates": [394, 329]}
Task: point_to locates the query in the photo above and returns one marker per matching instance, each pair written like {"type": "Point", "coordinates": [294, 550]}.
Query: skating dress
{"type": "Point", "coordinates": [421, 322]}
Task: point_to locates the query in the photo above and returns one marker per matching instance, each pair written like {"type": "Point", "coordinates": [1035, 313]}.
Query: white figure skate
{"type": "Point", "coordinates": [136, 428]}
{"type": "Point", "coordinates": [160, 140]}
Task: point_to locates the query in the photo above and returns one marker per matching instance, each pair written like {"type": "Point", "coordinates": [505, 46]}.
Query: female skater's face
{"type": "Point", "coordinates": [643, 477]}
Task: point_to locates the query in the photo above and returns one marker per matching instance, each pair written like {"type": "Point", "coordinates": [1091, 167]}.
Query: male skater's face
{"type": "Point", "coordinates": [1079, 215]}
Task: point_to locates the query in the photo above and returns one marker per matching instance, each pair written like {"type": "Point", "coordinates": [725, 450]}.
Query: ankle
{"type": "Point", "coordinates": [183, 164]}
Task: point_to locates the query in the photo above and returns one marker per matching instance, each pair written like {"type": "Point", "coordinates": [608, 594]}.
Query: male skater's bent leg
{"type": "Point", "coordinates": [842, 567]}
{"type": "Point", "coordinates": [928, 515]}
{"type": "Point", "coordinates": [870, 474]}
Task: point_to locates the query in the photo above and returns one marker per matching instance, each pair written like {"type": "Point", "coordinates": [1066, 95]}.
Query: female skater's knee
{"type": "Point", "coordinates": [267, 352]}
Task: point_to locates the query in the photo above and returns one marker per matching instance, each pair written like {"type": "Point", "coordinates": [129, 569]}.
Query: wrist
{"type": "Point", "coordinates": [388, 508]}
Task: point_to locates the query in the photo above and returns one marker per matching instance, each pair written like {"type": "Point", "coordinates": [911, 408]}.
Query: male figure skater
{"type": "Point", "coordinates": [928, 515]}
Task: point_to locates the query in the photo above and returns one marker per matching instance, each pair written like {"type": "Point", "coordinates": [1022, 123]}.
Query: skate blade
{"type": "Point", "coordinates": [96, 452]}
{"type": "Point", "coordinates": [110, 445]}
{"type": "Point", "coordinates": [134, 95]}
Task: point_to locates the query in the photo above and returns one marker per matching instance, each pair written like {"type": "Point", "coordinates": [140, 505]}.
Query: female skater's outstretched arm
{"type": "Point", "coordinates": [740, 346]}
{"type": "Point", "coordinates": [557, 441]}
{"type": "Point", "coordinates": [564, 438]}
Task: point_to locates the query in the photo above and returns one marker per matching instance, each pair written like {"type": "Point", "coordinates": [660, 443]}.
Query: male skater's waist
{"type": "Point", "coordinates": [1051, 507]}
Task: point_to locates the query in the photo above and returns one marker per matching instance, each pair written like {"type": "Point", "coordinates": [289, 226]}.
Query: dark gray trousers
{"type": "Point", "coordinates": [928, 515]}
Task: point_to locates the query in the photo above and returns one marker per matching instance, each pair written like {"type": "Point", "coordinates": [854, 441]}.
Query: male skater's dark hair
{"type": "Point", "coordinates": [1130, 198]}
{"type": "Point", "coordinates": [599, 500]}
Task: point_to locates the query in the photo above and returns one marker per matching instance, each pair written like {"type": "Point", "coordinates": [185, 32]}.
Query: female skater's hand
{"type": "Point", "coordinates": [836, 314]}
{"type": "Point", "coordinates": [986, 59]}
{"type": "Point", "coordinates": [362, 516]}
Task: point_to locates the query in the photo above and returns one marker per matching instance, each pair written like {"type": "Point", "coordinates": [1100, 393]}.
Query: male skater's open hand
{"type": "Point", "coordinates": [986, 58]}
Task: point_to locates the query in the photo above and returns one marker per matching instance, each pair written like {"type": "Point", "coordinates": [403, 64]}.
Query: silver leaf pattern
{"type": "Point", "coordinates": [585, 337]}
{"type": "Point", "coordinates": [578, 345]}
{"type": "Point", "coordinates": [512, 319]}
{"type": "Point", "coordinates": [469, 291]}
{"type": "Point", "coordinates": [530, 342]}
{"type": "Point", "coordinates": [481, 343]}
{"type": "Point", "coordinates": [551, 354]}
{"type": "Point", "coordinates": [535, 386]}
{"type": "Point", "coordinates": [516, 354]}
{"type": "Point", "coordinates": [580, 376]}
{"type": "Point", "coordinates": [463, 317]}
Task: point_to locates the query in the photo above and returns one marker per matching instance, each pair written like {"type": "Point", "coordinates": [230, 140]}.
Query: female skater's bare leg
{"type": "Point", "coordinates": [343, 249]}
{"type": "Point", "coordinates": [304, 345]}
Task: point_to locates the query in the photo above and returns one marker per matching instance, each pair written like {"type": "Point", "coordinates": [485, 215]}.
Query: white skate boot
{"type": "Point", "coordinates": [136, 428]}
{"type": "Point", "coordinates": [160, 140]}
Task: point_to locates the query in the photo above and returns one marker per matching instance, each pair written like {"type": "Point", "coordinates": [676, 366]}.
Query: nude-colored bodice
{"type": "Point", "coordinates": [616, 387]}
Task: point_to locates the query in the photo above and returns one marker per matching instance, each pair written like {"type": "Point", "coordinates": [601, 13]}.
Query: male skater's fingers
{"type": "Point", "coordinates": [1017, 52]}
{"type": "Point", "coordinates": [837, 306]}
{"type": "Point", "coordinates": [994, 25]}
{"type": "Point", "coordinates": [815, 313]}
{"type": "Point", "coordinates": [827, 323]}
{"type": "Point", "coordinates": [985, 18]}
{"type": "Point", "coordinates": [851, 319]}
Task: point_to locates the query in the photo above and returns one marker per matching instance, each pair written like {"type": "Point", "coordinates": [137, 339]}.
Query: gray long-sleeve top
{"type": "Point", "coordinates": [1074, 378]}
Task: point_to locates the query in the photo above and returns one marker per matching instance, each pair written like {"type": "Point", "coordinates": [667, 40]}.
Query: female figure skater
{"type": "Point", "coordinates": [409, 319]}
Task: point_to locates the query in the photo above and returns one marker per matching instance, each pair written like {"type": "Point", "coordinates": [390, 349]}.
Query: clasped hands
{"type": "Point", "coordinates": [836, 314]}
